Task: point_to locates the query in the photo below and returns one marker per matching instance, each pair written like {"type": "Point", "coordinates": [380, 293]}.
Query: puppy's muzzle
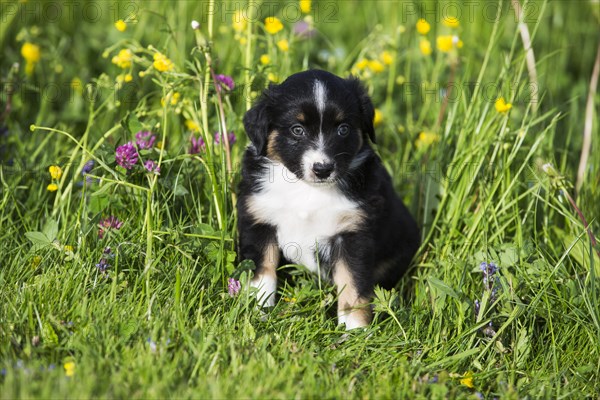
{"type": "Point", "coordinates": [323, 170]}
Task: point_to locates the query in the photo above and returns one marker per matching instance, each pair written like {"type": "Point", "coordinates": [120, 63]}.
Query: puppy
{"type": "Point", "coordinates": [314, 193]}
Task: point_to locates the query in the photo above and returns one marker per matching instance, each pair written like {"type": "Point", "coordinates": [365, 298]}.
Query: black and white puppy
{"type": "Point", "coordinates": [314, 193]}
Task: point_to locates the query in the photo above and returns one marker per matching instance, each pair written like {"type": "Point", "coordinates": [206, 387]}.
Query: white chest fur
{"type": "Point", "coordinates": [305, 216]}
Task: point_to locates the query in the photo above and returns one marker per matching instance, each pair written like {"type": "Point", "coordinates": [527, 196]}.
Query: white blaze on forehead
{"type": "Point", "coordinates": [320, 92]}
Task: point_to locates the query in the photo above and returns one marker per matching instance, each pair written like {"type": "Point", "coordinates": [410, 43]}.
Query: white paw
{"type": "Point", "coordinates": [266, 287]}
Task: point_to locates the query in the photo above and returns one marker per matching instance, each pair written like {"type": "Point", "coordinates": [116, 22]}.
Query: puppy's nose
{"type": "Point", "coordinates": [322, 170]}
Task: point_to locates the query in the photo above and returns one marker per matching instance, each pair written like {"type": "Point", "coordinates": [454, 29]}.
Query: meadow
{"type": "Point", "coordinates": [120, 143]}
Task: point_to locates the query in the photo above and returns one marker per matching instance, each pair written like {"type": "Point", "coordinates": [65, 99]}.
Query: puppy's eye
{"type": "Point", "coordinates": [343, 130]}
{"type": "Point", "coordinates": [297, 130]}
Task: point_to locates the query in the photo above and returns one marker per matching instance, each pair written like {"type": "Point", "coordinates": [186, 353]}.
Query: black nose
{"type": "Point", "coordinates": [322, 170]}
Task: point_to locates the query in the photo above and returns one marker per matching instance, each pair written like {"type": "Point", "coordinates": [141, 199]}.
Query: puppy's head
{"type": "Point", "coordinates": [314, 123]}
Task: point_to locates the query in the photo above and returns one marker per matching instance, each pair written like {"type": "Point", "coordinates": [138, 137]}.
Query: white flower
{"type": "Point", "coordinates": [195, 25]}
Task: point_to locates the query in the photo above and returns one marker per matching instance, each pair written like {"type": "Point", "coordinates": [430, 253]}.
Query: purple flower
{"type": "Point", "coordinates": [304, 29]}
{"type": "Point", "coordinates": [151, 166]}
{"type": "Point", "coordinates": [144, 140]}
{"type": "Point", "coordinates": [225, 81]}
{"type": "Point", "coordinates": [233, 286]}
{"type": "Point", "coordinates": [103, 265]}
{"type": "Point", "coordinates": [230, 137]}
{"type": "Point", "coordinates": [126, 155]}
{"type": "Point", "coordinates": [87, 167]}
{"type": "Point", "coordinates": [108, 223]}
{"type": "Point", "coordinates": [197, 146]}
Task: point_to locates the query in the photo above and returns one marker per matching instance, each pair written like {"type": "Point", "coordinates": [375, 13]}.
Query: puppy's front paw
{"type": "Point", "coordinates": [353, 319]}
{"type": "Point", "coordinates": [266, 287]}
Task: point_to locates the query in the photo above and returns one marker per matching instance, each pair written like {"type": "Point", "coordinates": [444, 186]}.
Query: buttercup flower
{"type": "Point", "coordinates": [423, 26]}
{"type": "Point", "coordinates": [31, 53]}
{"type": "Point", "coordinates": [425, 47]}
{"type": "Point", "coordinates": [69, 368]}
{"type": "Point", "coordinates": [197, 145]}
{"type": "Point", "coordinates": [151, 166]}
{"type": "Point", "coordinates": [502, 106]}
{"type": "Point", "coordinates": [378, 118]}
{"type": "Point", "coordinates": [126, 155]}
{"type": "Point", "coordinates": [386, 57]}
{"type": "Point", "coordinates": [273, 25]}
{"type": "Point", "coordinates": [192, 126]}
{"type": "Point", "coordinates": [375, 66]}
{"type": "Point", "coordinates": [445, 43]}
{"type": "Point", "coordinates": [239, 21]}
{"type": "Point", "coordinates": [426, 138]}
{"type": "Point", "coordinates": [362, 64]}
{"type": "Point", "coordinates": [225, 81]}
{"type": "Point", "coordinates": [53, 187]}
{"type": "Point", "coordinates": [451, 22]}
{"type": "Point", "coordinates": [144, 140]}
{"type": "Point", "coordinates": [123, 59]}
{"type": "Point", "coordinates": [283, 45]}
{"type": "Point", "coordinates": [265, 59]}
{"type": "Point", "coordinates": [233, 286]}
{"type": "Point", "coordinates": [162, 63]}
{"type": "Point", "coordinates": [121, 25]}
{"type": "Point", "coordinates": [55, 171]}
{"type": "Point", "coordinates": [230, 137]}
{"type": "Point", "coordinates": [467, 380]}
{"type": "Point", "coordinates": [305, 6]}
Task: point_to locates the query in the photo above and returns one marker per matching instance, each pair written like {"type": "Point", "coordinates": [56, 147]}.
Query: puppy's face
{"type": "Point", "coordinates": [314, 123]}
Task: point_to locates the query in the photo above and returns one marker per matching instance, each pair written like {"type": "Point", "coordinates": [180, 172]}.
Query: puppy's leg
{"type": "Point", "coordinates": [354, 285]}
{"type": "Point", "coordinates": [258, 243]}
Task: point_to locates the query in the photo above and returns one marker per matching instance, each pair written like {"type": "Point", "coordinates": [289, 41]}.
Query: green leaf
{"type": "Point", "coordinates": [442, 287]}
{"type": "Point", "coordinates": [51, 229]}
{"type": "Point", "coordinates": [38, 239]}
{"type": "Point", "coordinates": [49, 336]}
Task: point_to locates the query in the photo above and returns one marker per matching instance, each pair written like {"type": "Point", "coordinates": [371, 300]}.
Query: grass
{"type": "Point", "coordinates": [485, 186]}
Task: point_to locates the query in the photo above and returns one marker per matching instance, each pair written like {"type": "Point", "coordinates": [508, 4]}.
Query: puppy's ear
{"type": "Point", "coordinates": [366, 107]}
{"type": "Point", "coordinates": [256, 123]}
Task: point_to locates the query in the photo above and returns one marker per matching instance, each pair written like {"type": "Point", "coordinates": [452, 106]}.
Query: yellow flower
{"type": "Point", "coordinates": [283, 45]}
{"type": "Point", "coordinates": [53, 187]}
{"type": "Point", "coordinates": [123, 59]}
{"type": "Point", "coordinates": [451, 22]}
{"type": "Point", "coordinates": [243, 40]}
{"type": "Point", "coordinates": [376, 66]}
{"type": "Point", "coordinates": [55, 171]}
{"type": "Point", "coordinates": [272, 77]}
{"type": "Point", "coordinates": [289, 299]}
{"type": "Point", "coordinates": [69, 368]}
{"type": "Point", "coordinates": [265, 59]}
{"type": "Point", "coordinates": [467, 380]}
{"type": "Point", "coordinates": [362, 63]}
{"type": "Point", "coordinates": [425, 46]}
{"type": "Point", "coordinates": [377, 118]}
{"type": "Point", "coordinates": [423, 26]}
{"type": "Point", "coordinates": [121, 25]}
{"type": "Point", "coordinates": [305, 6]}
{"type": "Point", "coordinates": [444, 43]}
{"type": "Point", "coordinates": [68, 249]}
{"type": "Point", "coordinates": [426, 138]}
{"type": "Point", "coordinates": [502, 106]}
{"type": "Point", "coordinates": [273, 25]}
{"type": "Point", "coordinates": [239, 22]}
{"type": "Point", "coordinates": [128, 78]}
{"type": "Point", "coordinates": [162, 62]}
{"type": "Point", "coordinates": [191, 125]}
{"type": "Point", "coordinates": [30, 52]}
{"type": "Point", "coordinates": [386, 57]}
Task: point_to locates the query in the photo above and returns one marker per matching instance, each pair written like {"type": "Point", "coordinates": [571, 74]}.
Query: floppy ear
{"type": "Point", "coordinates": [256, 123]}
{"type": "Point", "coordinates": [366, 107]}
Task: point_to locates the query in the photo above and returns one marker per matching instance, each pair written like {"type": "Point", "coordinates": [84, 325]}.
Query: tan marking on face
{"type": "Point", "coordinates": [300, 117]}
{"type": "Point", "coordinates": [353, 309]}
{"type": "Point", "coordinates": [271, 150]}
{"type": "Point", "coordinates": [339, 117]}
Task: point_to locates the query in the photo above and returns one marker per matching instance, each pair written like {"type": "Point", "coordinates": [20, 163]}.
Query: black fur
{"type": "Point", "coordinates": [381, 248]}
